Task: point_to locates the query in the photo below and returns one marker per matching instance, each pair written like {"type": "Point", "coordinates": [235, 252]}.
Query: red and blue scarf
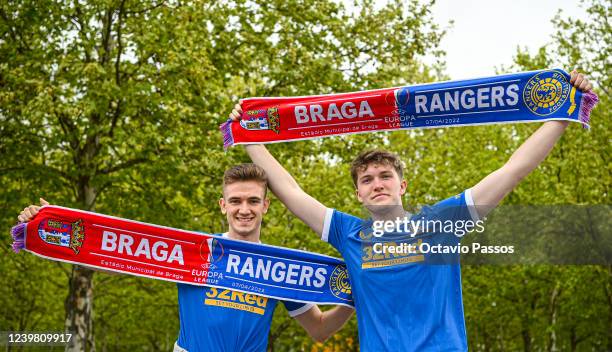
{"type": "Point", "coordinates": [523, 97]}
{"type": "Point", "coordinates": [164, 253]}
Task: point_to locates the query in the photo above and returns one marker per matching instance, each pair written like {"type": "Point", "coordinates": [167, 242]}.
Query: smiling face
{"type": "Point", "coordinates": [244, 203]}
{"type": "Point", "coordinates": [380, 187]}
{"type": "Point", "coordinates": [378, 179]}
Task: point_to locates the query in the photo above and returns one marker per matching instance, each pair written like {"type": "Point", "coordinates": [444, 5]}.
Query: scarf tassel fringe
{"type": "Point", "coordinates": [226, 129]}
{"type": "Point", "coordinates": [18, 232]}
{"type": "Point", "coordinates": [588, 102]}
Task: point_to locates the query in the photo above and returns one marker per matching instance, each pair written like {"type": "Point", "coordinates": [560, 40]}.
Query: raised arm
{"type": "Point", "coordinates": [492, 189]}
{"type": "Point", "coordinates": [284, 186]}
{"type": "Point", "coordinates": [322, 325]}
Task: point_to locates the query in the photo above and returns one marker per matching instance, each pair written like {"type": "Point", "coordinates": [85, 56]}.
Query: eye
{"type": "Point", "coordinates": [254, 201]}
{"type": "Point", "coordinates": [234, 201]}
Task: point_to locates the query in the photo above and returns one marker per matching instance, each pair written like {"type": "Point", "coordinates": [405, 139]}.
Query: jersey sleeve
{"type": "Point", "coordinates": [456, 208]}
{"type": "Point", "coordinates": [297, 308]}
{"type": "Point", "coordinates": [337, 226]}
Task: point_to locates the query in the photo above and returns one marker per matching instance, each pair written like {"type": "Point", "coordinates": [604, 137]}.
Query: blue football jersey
{"type": "Point", "coordinates": [216, 319]}
{"type": "Point", "coordinates": [407, 301]}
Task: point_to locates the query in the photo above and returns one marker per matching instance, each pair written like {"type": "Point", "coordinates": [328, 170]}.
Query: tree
{"type": "Point", "coordinates": [113, 106]}
{"type": "Point", "coordinates": [567, 315]}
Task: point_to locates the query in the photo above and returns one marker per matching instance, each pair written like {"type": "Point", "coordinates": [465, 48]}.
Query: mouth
{"type": "Point", "coordinates": [379, 196]}
{"type": "Point", "coordinates": [244, 219]}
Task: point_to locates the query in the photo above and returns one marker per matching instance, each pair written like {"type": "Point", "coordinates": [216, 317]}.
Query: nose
{"type": "Point", "coordinates": [378, 184]}
{"type": "Point", "coordinates": [244, 208]}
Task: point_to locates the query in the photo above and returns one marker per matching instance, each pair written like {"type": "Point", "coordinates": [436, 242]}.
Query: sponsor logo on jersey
{"type": "Point", "coordinates": [371, 259]}
{"type": "Point", "coordinates": [247, 302]}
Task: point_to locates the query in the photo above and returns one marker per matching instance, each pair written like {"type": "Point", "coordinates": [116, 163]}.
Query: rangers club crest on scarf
{"type": "Point", "coordinates": [339, 283]}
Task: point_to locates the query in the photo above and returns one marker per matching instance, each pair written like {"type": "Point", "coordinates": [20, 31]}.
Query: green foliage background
{"type": "Point", "coordinates": [113, 105]}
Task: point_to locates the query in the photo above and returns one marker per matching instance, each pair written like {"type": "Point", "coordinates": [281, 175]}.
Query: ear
{"type": "Point", "coordinates": [359, 198]}
{"type": "Point", "coordinates": [266, 205]}
{"type": "Point", "coordinates": [403, 187]}
{"type": "Point", "coordinates": [222, 205]}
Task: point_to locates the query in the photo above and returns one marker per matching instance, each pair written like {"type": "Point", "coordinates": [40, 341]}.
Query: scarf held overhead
{"type": "Point", "coordinates": [522, 97]}
{"type": "Point", "coordinates": [158, 252]}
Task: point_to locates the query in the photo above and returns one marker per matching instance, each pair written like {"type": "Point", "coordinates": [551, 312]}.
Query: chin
{"type": "Point", "coordinates": [382, 207]}
{"type": "Point", "coordinates": [242, 235]}
{"type": "Point", "coordinates": [244, 230]}
{"type": "Point", "coordinates": [382, 202]}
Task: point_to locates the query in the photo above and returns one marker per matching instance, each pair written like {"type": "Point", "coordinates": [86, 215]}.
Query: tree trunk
{"type": "Point", "coordinates": [526, 339]}
{"type": "Point", "coordinates": [79, 303]}
{"type": "Point", "coordinates": [79, 310]}
{"type": "Point", "coordinates": [526, 326]}
{"type": "Point", "coordinates": [573, 340]}
{"type": "Point", "coordinates": [609, 295]}
{"type": "Point", "coordinates": [552, 321]}
{"type": "Point", "coordinates": [487, 340]}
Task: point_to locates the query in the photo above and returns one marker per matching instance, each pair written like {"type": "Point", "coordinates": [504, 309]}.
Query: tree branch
{"type": "Point", "coordinates": [79, 20]}
{"type": "Point", "coordinates": [161, 3]}
{"type": "Point", "coordinates": [106, 36]}
{"type": "Point", "coordinates": [69, 128]}
{"type": "Point", "coordinates": [9, 169]}
{"type": "Point", "coordinates": [119, 44]}
{"type": "Point", "coordinates": [122, 166]}
{"type": "Point", "coordinates": [13, 33]}
{"type": "Point", "coordinates": [38, 168]}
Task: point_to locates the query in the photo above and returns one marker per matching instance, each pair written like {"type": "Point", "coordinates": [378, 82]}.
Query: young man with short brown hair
{"type": "Point", "coordinates": [403, 306]}
{"type": "Point", "coordinates": [213, 319]}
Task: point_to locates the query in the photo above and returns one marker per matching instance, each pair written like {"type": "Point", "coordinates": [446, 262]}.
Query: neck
{"type": "Point", "coordinates": [390, 214]}
{"type": "Point", "coordinates": [250, 237]}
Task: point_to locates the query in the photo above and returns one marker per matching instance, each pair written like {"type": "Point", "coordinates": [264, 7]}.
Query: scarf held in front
{"type": "Point", "coordinates": [164, 253]}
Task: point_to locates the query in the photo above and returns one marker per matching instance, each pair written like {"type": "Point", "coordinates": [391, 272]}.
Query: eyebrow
{"type": "Point", "coordinates": [250, 198]}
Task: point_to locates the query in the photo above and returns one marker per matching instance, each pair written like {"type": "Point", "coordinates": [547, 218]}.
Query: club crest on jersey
{"type": "Point", "coordinates": [261, 120]}
{"type": "Point", "coordinates": [546, 92]}
{"type": "Point", "coordinates": [62, 233]}
{"type": "Point", "coordinates": [339, 283]}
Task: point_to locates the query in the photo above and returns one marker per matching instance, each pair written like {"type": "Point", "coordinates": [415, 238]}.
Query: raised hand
{"type": "Point", "coordinates": [29, 212]}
